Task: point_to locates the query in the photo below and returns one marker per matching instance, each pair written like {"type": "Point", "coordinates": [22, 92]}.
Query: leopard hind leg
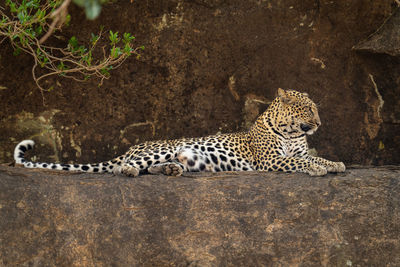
{"type": "Point", "coordinates": [126, 169]}
{"type": "Point", "coordinates": [167, 168]}
{"type": "Point", "coordinates": [193, 160]}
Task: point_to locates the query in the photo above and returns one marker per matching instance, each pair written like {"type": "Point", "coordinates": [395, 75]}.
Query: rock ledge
{"type": "Point", "coordinates": [253, 219]}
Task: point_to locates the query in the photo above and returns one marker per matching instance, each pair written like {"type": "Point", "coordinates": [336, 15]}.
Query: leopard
{"type": "Point", "coordinates": [277, 141]}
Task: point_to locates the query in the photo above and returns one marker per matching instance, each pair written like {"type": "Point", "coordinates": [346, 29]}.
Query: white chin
{"type": "Point", "coordinates": [310, 132]}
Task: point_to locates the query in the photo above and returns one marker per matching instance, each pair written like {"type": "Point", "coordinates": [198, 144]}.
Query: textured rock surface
{"type": "Point", "coordinates": [231, 219]}
{"type": "Point", "coordinates": [210, 66]}
{"type": "Point", "coordinates": [386, 39]}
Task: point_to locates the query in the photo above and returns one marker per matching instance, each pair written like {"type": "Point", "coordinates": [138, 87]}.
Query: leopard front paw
{"type": "Point", "coordinates": [336, 167]}
{"type": "Point", "coordinates": [316, 170]}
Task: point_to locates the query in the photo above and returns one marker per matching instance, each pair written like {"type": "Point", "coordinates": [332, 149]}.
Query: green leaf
{"type": "Point", "coordinates": [105, 71]}
{"type": "Point", "coordinates": [116, 52]}
{"type": "Point", "coordinates": [54, 4]}
{"type": "Point", "coordinates": [32, 4]}
{"type": "Point", "coordinates": [94, 39]}
{"type": "Point", "coordinates": [38, 53]}
{"type": "Point", "coordinates": [30, 32]}
{"type": "Point", "coordinates": [73, 44]}
{"type": "Point", "coordinates": [128, 38]}
{"type": "Point", "coordinates": [22, 16]}
{"type": "Point", "coordinates": [61, 66]}
{"type": "Point", "coordinates": [67, 19]}
{"type": "Point", "coordinates": [13, 7]}
{"type": "Point", "coordinates": [40, 14]}
{"type": "Point", "coordinates": [45, 60]}
{"type": "Point", "coordinates": [88, 58]}
{"type": "Point", "coordinates": [127, 49]}
{"type": "Point", "coordinates": [17, 51]}
{"type": "Point", "coordinates": [82, 50]}
{"type": "Point", "coordinates": [3, 21]}
{"type": "Point", "coordinates": [114, 38]}
{"type": "Point", "coordinates": [92, 7]}
{"type": "Point", "coordinates": [92, 10]}
{"type": "Point", "coordinates": [22, 39]}
{"type": "Point", "coordinates": [38, 30]}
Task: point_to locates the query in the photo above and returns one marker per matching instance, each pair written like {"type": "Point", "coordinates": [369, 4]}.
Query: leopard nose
{"type": "Point", "coordinates": [305, 127]}
{"type": "Point", "coordinates": [318, 123]}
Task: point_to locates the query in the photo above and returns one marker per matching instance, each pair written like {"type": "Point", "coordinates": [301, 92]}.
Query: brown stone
{"type": "Point", "coordinates": [226, 219]}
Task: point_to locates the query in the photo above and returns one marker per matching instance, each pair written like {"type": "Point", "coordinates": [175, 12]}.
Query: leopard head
{"type": "Point", "coordinates": [295, 113]}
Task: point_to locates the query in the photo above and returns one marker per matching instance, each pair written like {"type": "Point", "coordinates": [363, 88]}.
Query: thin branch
{"type": "Point", "coordinates": [68, 62]}
{"type": "Point", "coordinates": [58, 16]}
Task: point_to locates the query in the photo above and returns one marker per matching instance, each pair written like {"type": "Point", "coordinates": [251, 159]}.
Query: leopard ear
{"type": "Point", "coordinates": [281, 92]}
{"type": "Point", "coordinates": [305, 94]}
{"type": "Point", "coordinates": [285, 98]}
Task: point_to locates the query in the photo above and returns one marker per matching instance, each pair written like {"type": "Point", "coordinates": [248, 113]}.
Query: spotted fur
{"type": "Point", "coordinates": [276, 142]}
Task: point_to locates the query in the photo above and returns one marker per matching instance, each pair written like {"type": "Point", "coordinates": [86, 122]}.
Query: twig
{"type": "Point", "coordinates": [70, 62]}
{"type": "Point", "coordinates": [58, 18]}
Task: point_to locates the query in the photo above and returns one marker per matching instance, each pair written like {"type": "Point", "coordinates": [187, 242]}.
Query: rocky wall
{"type": "Point", "coordinates": [213, 66]}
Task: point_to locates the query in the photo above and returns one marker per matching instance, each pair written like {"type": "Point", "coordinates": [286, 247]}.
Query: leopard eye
{"type": "Point", "coordinates": [311, 111]}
